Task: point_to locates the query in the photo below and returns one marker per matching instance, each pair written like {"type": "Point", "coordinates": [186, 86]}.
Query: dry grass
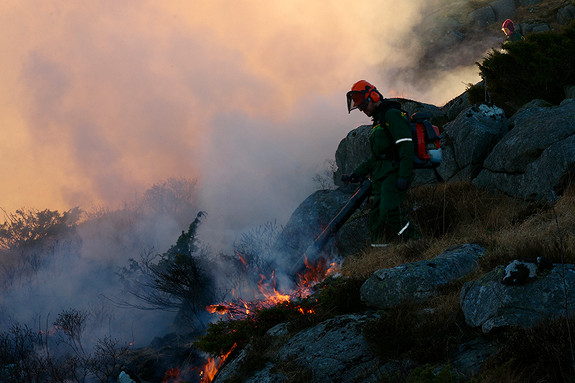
{"type": "Point", "coordinates": [508, 228]}
{"type": "Point", "coordinates": [452, 214]}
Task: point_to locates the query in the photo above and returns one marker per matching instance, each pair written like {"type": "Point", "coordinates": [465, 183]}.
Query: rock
{"type": "Point", "coordinates": [534, 27]}
{"type": "Point", "coordinates": [411, 107]}
{"type": "Point", "coordinates": [335, 350]}
{"type": "Point", "coordinates": [353, 237]}
{"type": "Point", "coordinates": [503, 9]}
{"type": "Point", "coordinates": [524, 3]}
{"type": "Point", "coordinates": [535, 158]}
{"type": "Point", "coordinates": [470, 356]}
{"type": "Point", "coordinates": [351, 152]}
{"type": "Point", "coordinates": [306, 222]}
{"type": "Point", "coordinates": [482, 17]}
{"type": "Point", "coordinates": [419, 280]}
{"type": "Point", "coordinates": [566, 14]}
{"type": "Point", "coordinates": [537, 103]}
{"type": "Point", "coordinates": [278, 330]}
{"type": "Point", "coordinates": [454, 107]}
{"type": "Point", "coordinates": [570, 92]}
{"type": "Point", "coordinates": [489, 304]}
{"type": "Point", "coordinates": [468, 140]}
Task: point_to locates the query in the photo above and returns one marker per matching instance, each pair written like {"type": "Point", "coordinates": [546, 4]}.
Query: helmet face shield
{"type": "Point", "coordinates": [356, 100]}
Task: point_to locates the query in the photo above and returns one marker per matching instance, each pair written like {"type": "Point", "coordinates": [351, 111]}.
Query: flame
{"type": "Point", "coordinates": [242, 309]}
{"type": "Point", "coordinates": [269, 291]}
{"type": "Point", "coordinates": [210, 369]}
{"type": "Point", "coordinates": [271, 296]}
{"type": "Point", "coordinates": [314, 273]}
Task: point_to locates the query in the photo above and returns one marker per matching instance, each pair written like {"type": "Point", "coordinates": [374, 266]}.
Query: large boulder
{"type": "Point", "coordinates": [335, 350]}
{"type": "Point", "coordinates": [536, 157]}
{"type": "Point", "coordinates": [503, 9]}
{"type": "Point", "coordinates": [332, 351]}
{"type": "Point", "coordinates": [309, 219]}
{"type": "Point", "coordinates": [490, 304]}
{"type": "Point", "coordinates": [482, 17]}
{"type": "Point", "coordinates": [468, 140]}
{"type": "Point", "coordinates": [419, 280]}
{"type": "Point", "coordinates": [566, 14]}
{"type": "Point", "coordinates": [454, 107]}
{"type": "Point", "coordinates": [351, 152]}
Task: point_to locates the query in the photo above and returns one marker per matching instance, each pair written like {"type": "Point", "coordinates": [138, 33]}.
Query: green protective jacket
{"type": "Point", "coordinates": [392, 150]}
{"type": "Point", "coordinates": [515, 36]}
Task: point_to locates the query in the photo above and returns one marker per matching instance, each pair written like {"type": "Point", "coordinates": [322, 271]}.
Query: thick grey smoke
{"type": "Point", "coordinates": [102, 100]}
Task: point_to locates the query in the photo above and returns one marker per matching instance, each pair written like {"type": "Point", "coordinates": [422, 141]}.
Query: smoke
{"type": "Point", "coordinates": [102, 99]}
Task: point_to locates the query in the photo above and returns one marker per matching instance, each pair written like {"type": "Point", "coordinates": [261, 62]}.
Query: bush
{"type": "Point", "coordinates": [538, 67]}
{"type": "Point", "coordinates": [28, 355]}
{"type": "Point", "coordinates": [175, 280]}
{"type": "Point", "coordinates": [340, 296]}
{"type": "Point", "coordinates": [26, 228]}
{"type": "Point", "coordinates": [221, 336]}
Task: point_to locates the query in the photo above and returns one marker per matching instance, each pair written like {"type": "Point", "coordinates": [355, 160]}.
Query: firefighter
{"type": "Point", "coordinates": [511, 34]}
{"type": "Point", "coordinates": [390, 165]}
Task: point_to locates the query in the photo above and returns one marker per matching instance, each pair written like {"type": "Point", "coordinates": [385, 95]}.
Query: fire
{"type": "Point", "coordinates": [209, 371]}
{"type": "Point", "coordinates": [316, 273]}
{"type": "Point", "coordinates": [269, 291]}
{"type": "Point", "coordinates": [213, 365]}
{"type": "Point", "coordinates": [270, 296]}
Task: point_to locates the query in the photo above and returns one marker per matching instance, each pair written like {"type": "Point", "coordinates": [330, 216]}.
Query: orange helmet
{"type": "Point", "coordinates": [508, 24]}
{"type": "Point", "coordinates": [360, 94]}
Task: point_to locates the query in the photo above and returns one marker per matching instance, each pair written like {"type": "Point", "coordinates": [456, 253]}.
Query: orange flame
{"type": "Point", "coordinates": [209, 371]}
{"type": "Point", "coordinates": [212, 366]}
{"type": "Point", "coordinates": [313, 274]}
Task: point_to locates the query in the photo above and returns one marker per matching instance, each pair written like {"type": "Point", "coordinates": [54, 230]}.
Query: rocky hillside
{"type": "Point", "coordinates": [482, 291]}
{"type": "Point", "coordinates": [455, 33]}
{"type": "Point", "coordinates": [484, 299]}
{"type": "Point", "coordinates": [486, 296]}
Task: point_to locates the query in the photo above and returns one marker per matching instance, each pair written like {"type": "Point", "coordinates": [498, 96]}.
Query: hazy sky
{"type": "Point", "coordinates": [101, 99]}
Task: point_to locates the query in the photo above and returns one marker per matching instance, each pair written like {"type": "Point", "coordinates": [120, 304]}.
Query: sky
{"type": "Point", "coordinates": [102, 99]}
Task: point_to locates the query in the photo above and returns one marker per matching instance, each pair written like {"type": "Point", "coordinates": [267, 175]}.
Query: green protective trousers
{"type": "Point", "coordinates": [387, 223]}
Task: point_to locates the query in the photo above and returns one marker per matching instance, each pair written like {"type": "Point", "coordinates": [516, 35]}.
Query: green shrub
{"type": "Point", "coordinates": [221, 336]}
{"type": "Point", "coordinates": [340, 296]}
{"type": "Point", "coordinates": [538, 67]}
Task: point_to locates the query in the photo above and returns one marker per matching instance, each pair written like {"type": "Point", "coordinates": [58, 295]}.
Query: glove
{"type": "Point", "coordinates": [401, 184]}
{"type": "Point", "coordinates": [347, 178]}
